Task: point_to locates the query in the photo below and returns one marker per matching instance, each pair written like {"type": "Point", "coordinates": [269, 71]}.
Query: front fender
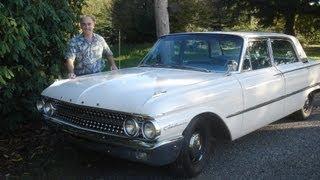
{"type": "Point", "coordinates": [173, 111]}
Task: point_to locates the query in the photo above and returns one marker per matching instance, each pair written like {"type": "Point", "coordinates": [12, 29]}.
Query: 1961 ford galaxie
{"type": "Point", "coordinates": [189, 89]}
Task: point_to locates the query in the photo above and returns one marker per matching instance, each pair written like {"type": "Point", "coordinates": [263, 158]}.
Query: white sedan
{"type": "Point", "coordinates": [189, 89]}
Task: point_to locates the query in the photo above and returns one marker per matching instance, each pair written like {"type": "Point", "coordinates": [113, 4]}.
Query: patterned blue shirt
{"type": "Point", "coordinates": [88, 55]}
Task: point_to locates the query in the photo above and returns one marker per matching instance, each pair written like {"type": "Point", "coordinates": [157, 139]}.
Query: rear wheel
{"type": "Point", "coordinates": [195, 150]}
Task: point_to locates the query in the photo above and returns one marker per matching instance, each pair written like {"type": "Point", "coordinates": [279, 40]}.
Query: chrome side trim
{"type": "Point", "coordinates": [277, 74]}
{"type": "Point", "coordinates": [300, 68]}
{"type": "Point", "coordinates": [271, 101]}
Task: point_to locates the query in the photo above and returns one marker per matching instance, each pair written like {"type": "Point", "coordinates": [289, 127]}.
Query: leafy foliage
{"type": "Point", "coordinates": [269, 11]}
{"type": "Point", "coordinates": [299, 17]}
{"type": "Point", "coordinates": [188, 15]}
{"type": "Point", "coordinates": [135, 20]}
{"type": "Point", "coordinates": [33, 38]}
{"type": "Point", "coordinates": [209, 15]}
{"type": "Point", "coordinates": [308, 27]}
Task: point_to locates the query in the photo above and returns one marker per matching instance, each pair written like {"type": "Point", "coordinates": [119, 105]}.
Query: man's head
{"type": "Point", "coordinates": [87, 23]}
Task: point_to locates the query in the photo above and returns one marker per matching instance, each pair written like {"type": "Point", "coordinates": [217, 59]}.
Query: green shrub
{"type": "Point", "coordinates": [33, 38]}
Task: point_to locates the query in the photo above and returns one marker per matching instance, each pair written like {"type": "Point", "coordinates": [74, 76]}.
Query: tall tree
{"type": "Point", "coordinates": [161, 17]}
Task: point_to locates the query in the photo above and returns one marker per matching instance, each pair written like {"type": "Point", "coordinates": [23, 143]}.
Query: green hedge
{"type": "Point", "coordinates": [33, 38]}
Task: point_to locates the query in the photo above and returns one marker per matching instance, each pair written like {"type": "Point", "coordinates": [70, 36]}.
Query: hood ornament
{"type": "Point", "coordinates": [158, 93]}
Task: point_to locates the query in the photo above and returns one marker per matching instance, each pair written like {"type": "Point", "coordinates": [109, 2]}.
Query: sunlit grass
{"type": "Point", "coordinates": [313, 52]}
{"type": "Point", "coordinates": [130, 55]}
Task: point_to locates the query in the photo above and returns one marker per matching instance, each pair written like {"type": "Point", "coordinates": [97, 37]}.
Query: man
{"type": "Point", "coordinates": [85, 51]}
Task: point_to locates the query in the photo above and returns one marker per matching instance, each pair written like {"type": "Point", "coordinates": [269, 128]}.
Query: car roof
{"type": "Point", "coordinates": [242, 34]}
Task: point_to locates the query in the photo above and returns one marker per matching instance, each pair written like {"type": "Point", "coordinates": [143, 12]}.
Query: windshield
{"type": "Point", "coordinates": [203, 52]}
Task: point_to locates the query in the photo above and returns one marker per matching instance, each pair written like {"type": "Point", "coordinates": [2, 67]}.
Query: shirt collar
{"type": "Point", "coordinates": [84, 39]}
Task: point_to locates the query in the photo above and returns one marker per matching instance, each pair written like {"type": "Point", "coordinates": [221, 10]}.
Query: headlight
{"type": "Point", "coordinates": [131, 127]}
{"type": "Point", "coordinates": [40, 104]}
{"type": "Point", "coordinates": [150, 130]}
{"type": "Point", "coordinates": [48, 109]}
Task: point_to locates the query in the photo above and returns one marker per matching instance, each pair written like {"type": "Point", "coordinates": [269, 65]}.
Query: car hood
{"type": "Point", "coordinates": [124, 90]}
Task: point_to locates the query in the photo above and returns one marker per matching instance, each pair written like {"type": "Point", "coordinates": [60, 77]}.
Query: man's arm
{"type": "Point", "coordinates": [108, 53]}
{"type": "Point", "coordinates": [70, 68]}
{"type": "Point", "coordinates": [112, 63]}
{"type": "Point", "coordinates": [70, 56]}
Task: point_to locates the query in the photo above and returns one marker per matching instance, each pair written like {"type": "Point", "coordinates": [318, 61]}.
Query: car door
{"type": "Point", "coordinates": [295, 73]}
{"type": "Point", "coordinates": [262, 85]}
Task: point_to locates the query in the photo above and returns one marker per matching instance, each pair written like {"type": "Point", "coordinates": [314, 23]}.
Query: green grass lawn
{"type": "Point", "coordinates": [313, 52]}
{"type": "Point", "coordinates": [132, 54]}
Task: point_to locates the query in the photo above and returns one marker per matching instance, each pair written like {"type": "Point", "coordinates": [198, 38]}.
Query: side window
{"type": "Point", "coordinates": [257, 53]}
{"type": "Point", "coordinates": [246, 65]}
{"type": "Point", "coordinates": [283, 52]}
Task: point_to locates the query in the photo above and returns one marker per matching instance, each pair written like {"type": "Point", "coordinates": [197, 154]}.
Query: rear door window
{"type": "Point", "coordinates": [283, 52]}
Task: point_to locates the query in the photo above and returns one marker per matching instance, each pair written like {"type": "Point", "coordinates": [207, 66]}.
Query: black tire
{"type": "Point", "coordinates": [305, 112]}
{"type": "Point", "coordinates": [189, 163]}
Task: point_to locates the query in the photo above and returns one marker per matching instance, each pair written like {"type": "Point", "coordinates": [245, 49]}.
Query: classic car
{"type": "Point", "coordinates": [189, 90]}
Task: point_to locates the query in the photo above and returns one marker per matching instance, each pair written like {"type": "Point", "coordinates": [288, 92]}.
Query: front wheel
{"type": "Point", "coordinates": [195, 150]}
{"type": "Point", "coordinates": [306, 110]}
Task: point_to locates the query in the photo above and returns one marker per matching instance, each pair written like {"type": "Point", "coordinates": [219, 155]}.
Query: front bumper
{"type": "Point", "coordinates": [152, 153]}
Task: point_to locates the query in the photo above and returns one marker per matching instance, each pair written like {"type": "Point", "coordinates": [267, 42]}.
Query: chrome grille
{"type": "Point", "coordinates": [91, 118]}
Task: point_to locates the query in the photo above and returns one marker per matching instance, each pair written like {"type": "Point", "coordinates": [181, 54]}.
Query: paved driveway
{"type": "Point", "coordinates": [283, 149]}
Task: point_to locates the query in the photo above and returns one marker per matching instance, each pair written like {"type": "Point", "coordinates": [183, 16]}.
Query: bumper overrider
{"type": "Point", "coordinates": [135, 148]}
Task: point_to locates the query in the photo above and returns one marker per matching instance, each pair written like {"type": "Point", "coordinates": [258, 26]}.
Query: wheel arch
{"type": "Point", "coordinates": [313, 92]}
{"type": "Point", "coordinates": [217, 126]}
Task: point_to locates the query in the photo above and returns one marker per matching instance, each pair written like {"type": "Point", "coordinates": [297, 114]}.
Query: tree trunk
{"type": "Point", "coordinates": [161, 17]}
{"type": "Point", "coordinates": [290, 23]}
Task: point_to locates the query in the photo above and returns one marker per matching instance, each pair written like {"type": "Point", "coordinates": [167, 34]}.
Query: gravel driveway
{"type": "Point", "coordinates": [283, 149]}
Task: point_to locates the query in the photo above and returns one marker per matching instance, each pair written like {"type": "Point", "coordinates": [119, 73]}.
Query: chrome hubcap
{"type": "Point", "coordinates": [195, 146]}
{"type": "Point", "coordinates": [307, 105]}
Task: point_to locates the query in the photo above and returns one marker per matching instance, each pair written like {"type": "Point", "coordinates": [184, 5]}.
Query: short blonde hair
{"type": "Point", "coordinates": [82, 17]}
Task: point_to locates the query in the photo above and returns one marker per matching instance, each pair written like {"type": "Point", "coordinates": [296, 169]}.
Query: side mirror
{"type": "Point", "coordinates": [304, 60]}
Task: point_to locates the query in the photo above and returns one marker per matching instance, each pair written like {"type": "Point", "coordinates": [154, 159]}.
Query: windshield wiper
{"type": "Point", "coordinates": [144, 65]}
{"type": "Point", "coordinates": [157, 65]}
{"type": "Point", "coordinates": [195, 68]}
